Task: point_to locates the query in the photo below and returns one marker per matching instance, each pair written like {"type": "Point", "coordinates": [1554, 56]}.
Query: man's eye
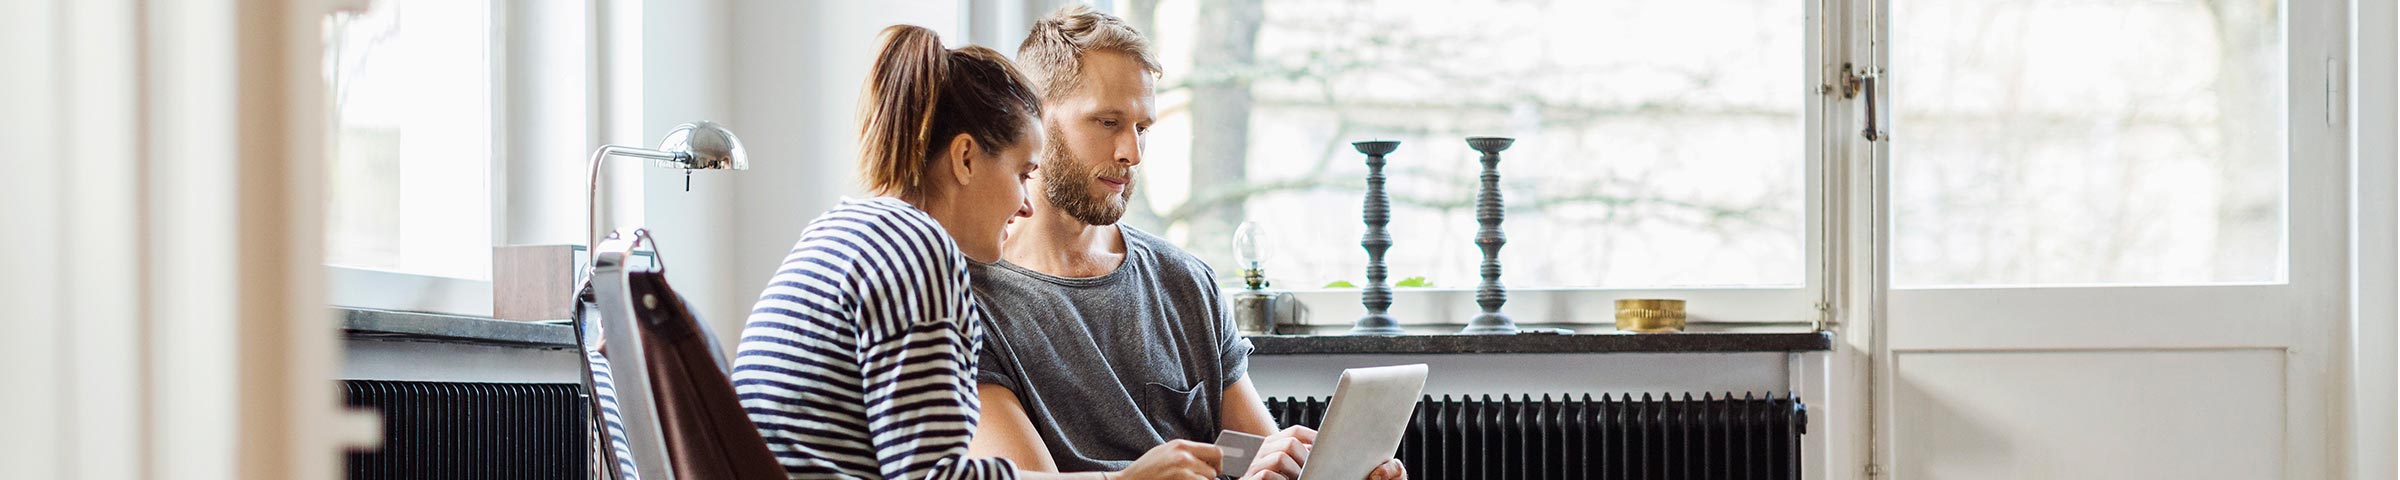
{"type": "Point", "coordinates": [1108, 123]}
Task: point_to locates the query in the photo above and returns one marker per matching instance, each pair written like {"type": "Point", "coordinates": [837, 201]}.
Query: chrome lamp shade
{"type": "Point", "coordinates": [701, 145]}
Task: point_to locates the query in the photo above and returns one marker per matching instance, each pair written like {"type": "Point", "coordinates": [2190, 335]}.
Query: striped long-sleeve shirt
{"type": "Point", "coordinates": [859, 359]}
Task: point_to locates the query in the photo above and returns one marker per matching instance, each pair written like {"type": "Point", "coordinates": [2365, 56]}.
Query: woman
{"type": "Point", "coordinates": [858, 361]}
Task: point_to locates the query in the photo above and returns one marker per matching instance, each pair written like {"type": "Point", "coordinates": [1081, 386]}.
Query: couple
{"type": "Point", "coordinates": [902, 338]}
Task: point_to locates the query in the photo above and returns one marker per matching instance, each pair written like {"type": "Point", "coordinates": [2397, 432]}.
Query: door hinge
{"type": "Point", "coordinates": [1874, 470]}
{"type": "Point", "coordinates": [2333, 87]}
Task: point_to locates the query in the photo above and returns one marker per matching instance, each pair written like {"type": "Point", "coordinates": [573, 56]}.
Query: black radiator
{"type": "Point", "coordinates": [1608, 438]}
{"type": "Point", "coordinates": [471, 430]}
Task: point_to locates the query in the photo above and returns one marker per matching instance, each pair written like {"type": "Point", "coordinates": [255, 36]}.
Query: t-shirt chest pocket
{"type": "Point", "coordinates": [1177, 411]}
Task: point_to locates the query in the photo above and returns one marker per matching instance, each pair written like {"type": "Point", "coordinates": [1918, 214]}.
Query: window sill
{"type": "Point", "coordinates": [1334, 343]}
{"type": "Point", "coordinates": [372, 324]}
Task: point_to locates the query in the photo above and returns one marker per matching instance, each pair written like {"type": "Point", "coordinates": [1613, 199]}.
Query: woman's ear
{"type": "Point", "coordinates": [960, 158]}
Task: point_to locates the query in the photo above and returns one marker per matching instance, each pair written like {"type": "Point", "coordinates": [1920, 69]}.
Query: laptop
{"type": "Point", "coordinates": [1363, 426]}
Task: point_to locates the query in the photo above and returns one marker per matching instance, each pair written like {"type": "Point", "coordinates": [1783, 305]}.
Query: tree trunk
{"type": "Point", "coordinates": [2252, 173]}
{"type": "Point", "coordinates": [1226, 42]}
{"type": "Point", "coordinates": [1139, 211]}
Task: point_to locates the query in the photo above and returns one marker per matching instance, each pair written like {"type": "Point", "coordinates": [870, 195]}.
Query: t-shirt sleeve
{"type": "Point", "coordinates": [1233, 356]}
{"type": "Point", "coordinates": [995, 366]}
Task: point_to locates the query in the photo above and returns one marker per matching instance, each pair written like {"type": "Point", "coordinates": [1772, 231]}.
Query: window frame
{"type": "Point", "coordinates": [1808, 305]}
{"type": "Point", "coordinates": [374, 288]}
{"type": "Point", "coordinates": [523, 125]}
{"type": "Point", "coordinates": [2299, 317]}
{"type": "Point", "coordinates": [2149, 315]}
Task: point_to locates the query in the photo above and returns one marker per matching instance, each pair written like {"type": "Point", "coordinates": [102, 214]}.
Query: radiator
{"type": "Point", "coordinates": [1609, 438]}
{"type": "Point", "coordinates": [471, 430]}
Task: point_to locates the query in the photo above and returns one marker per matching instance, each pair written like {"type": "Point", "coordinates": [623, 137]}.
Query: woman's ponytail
{"type": "Point", "coordinates": [903, 91]}
{"type": "Point", "coordinates": [920, 96]}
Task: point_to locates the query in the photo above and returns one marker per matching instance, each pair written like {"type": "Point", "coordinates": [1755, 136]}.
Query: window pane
{"type": "Point", "coordinates": [409, 187]}
{"type": "Point", "coordinates": [1659, 143]}
{"type": "Point", "coordinates": [2043, 142]}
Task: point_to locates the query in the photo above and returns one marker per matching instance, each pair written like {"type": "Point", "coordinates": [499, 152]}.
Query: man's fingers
{"type": "Point", "coordinates": [1200, 451]}
{"type": "Point", "coordinates": [1280, 462]}
{"type": "Point", "coordinates": [1304, 434]}
{"type": "Point", "coordinates": [1287, 464]}
{"type": "Point", "coordinates": [1285, 444]}
{"type": "Point", "coordinates": [1267, 475]}
{"type": "Point", "coordinates": [1391, 469]}
{"type": "Point", "coordinates": [1266, 460]}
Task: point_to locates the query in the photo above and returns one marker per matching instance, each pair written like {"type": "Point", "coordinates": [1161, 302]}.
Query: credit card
{"type": "Point", "coordinates": [1238, 450]}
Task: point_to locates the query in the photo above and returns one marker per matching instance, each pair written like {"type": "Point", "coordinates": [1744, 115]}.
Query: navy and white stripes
{"type": "Point", "coordinates": [859, 359]}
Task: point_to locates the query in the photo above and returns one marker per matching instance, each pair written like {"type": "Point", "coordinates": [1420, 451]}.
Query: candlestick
{"type": "Point", "coordinates": [1378, 212]}
{"type": "Point", "coordinates": [1490, 295]}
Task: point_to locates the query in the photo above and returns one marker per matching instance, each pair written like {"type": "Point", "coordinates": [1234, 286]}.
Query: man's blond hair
{"type": "Point", "coordinates": [1052, 55]}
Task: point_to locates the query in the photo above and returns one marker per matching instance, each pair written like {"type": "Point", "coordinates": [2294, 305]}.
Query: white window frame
{"type": "Point", "coordinates": [1806, 306]}
{"type": "Point", "coordinates": [362, 287]}
{"type": "Point", "coordinates": [535, 202]}
{"type": "Point", "coordinates": [2314, 212]}
{"type": "Point", "coordinates": [2126, 318]}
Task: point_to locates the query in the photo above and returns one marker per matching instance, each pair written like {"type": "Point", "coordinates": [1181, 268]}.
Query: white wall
{"type": "Point", "coordinates": [421, 361]}
{"type": "Point", "coordinates": [784, 76]}
{"type": "Point", "coordinates": [685, 79]}
{"type": "Point", "coordinates": [2375, 254]}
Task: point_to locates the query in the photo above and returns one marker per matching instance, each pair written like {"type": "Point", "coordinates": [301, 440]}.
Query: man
{"type": "Point", "coordinates": [1106, 340]}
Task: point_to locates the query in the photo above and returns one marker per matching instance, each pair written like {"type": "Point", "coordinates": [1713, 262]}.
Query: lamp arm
{"type": "Point", "coordinates": [591, 198]}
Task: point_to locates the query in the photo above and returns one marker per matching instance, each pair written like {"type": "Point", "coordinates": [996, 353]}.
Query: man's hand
{"type": "Point", "coordinates": [1391, 469]}
{"type": "Point", "coordinates": [1282, 454]}
{"type": "Point", "coordinates": [1174, 460]}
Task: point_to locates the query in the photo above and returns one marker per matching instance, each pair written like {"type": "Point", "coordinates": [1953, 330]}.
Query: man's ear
{"type": "Point", "coordinates": [960, 158]}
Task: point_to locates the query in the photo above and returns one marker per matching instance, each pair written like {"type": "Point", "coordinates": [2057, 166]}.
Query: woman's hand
{"type": "Point", "coordinates": [1174, 460]}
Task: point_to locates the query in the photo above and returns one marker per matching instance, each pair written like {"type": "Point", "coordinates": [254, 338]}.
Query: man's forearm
{"type": "Point", "coordinates": [1025, 475]}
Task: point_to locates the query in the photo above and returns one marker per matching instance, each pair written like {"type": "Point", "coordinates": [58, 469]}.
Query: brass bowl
{"type": "Point", "coordinates": [1649, 315]}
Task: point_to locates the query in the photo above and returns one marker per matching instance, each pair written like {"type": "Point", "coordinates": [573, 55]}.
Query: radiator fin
{"type": "Point", "coordinates": [1612, 437]}
{"type": "Point", "coordinates": [471, 430]}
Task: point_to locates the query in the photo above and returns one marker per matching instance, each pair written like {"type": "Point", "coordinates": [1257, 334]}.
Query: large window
{"type": "Point", "coordinates": [409, 187]}
{"type": "Point", "coordinates": [1659, 144]}
{"type": "Point", "coordinates": [2050, 142]}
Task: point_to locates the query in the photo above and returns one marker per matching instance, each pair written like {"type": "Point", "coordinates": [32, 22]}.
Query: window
{"type": "Point", "coordinates": [409, 187]}
{"type": "Point", "coordinates": [2048, 142]}
{"type": "Point", "coordinates": [1660, 144]}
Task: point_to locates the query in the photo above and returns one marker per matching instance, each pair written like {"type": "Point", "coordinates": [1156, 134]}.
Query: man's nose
{"type": "Point", "coordinates": [1129, 150]}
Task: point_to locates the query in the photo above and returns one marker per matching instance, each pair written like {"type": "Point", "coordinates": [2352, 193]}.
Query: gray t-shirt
{"type": "Point", "coordinates": [1110, 366]}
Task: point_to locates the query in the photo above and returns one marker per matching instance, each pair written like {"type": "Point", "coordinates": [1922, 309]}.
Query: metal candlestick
{"type": "Point", "coordinates": [1490, 295]}
{"type": "Point", "coordinates": [1378, 212]}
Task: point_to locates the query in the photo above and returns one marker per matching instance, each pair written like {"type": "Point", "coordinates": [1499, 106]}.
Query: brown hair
{"type": "Point", "coordinates": [1053, 54]}
{"type": "Point", "coordinates": [920, 95]}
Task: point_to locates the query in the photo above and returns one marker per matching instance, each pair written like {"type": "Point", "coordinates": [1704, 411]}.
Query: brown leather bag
{"type": "Point", "coordinates": [708, 434]}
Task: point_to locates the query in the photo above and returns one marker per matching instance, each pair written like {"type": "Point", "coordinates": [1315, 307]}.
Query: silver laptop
{"type": "Point", "coordinates": [1363, 427]}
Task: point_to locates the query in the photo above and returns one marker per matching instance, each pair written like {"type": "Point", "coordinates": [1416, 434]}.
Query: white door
{"type": "Point", "coordinates": [2113, 237]}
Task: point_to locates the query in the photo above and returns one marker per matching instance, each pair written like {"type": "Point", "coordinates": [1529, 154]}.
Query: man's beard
{"type": "Point", "coordinates": [1068, 182]}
